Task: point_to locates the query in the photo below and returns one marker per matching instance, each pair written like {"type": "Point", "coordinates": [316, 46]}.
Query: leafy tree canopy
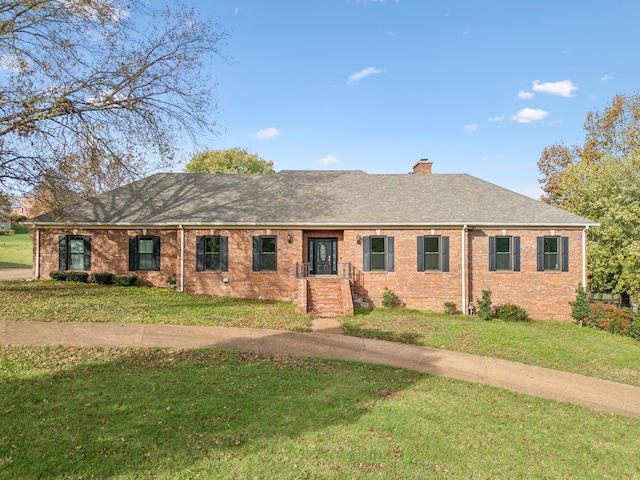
{"type": "Point", "coordinates": [90, 90]}
{"type": "Point", "coordinates": [233, 160]}
{"type": "Point", "coordinates": [600, 180]}
{"type": "Point", "coordinates": [614, 132]}
{"type": "Point", "coordinates": [608, 191]}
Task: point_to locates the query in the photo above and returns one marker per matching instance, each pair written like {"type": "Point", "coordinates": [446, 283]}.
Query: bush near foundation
{"type": "Point", "coordinates": [78, 277]}
{"type": "Point", "coordinates": [101, 278]}
{"type": "Point", "coordinates": [59, 276]}
{"type": "Point", "coordinates": [124, 280]}
{"type": "Point", "coordinates": [610, 318]}
{"type": "Point", "coordinates": [510, 312]}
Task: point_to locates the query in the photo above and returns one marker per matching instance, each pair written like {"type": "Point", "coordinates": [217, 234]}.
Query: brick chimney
{"type": "Point", "coordinates": [423, 166]}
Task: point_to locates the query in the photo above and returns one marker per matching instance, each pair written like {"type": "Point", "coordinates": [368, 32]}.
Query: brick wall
{"type": "Point", "coordinates": [543, 294]}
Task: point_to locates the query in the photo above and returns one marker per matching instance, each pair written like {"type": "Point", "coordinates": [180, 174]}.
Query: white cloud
{"type": "Point", "coordinates": [266, 134]}
{"type": "Point", "coordinates": [528, 115]}
{"type": "Point", "coordinates": [471, 128]}
{"type": "Point", "coordinates": [356, 77]}
{"type": "Point", "coordinates": [328, 160]}
{"type": "Point", "coordinates": [564, 88]}
{"type": "Point", "coordinates": [496, 119]}
{"type": "Point", "coordinates": [606, 77]}
{"type": "Point", "coordinates": [525, 95]}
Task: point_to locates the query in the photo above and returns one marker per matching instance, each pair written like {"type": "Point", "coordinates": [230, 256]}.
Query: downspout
{"type": "Point", "coordinates": [181, 257]}
{"type": "Point", "coordinates": [464, 272]}
{"type": "Point", "coordinates": [37, 272]}
{"type": "Point", "coordinates": [584, 257]}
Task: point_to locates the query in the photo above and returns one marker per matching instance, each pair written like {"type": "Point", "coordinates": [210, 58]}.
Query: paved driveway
{"type": "Point", "coordinates": [540, 382]}
{"type": "Point", "coordinates": [15, 274]}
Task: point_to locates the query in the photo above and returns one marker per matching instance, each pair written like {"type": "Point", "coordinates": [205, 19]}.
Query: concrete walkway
{"type": "Point", "coordinates": [323, 342]}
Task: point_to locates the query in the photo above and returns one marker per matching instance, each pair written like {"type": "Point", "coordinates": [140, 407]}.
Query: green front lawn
{"type": "Point", "coordinates": [558, 345]}
{"type": "Point", "coordinates": [125, 413]}
{"type": "Point", "coordinates": [50, 301]}
{"type": "Point", "coordinates": [545, 343]}
{"type": "Point", "coordinates": [16, 251]}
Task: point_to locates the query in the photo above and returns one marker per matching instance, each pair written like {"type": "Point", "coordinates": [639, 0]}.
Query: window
{"type": "Point", "coordinates": [212, 253]}
{"type": "Point", "coordinates": [504, 253]}
{"type": "Point", "coordinates": [553, 253]}
{"type": "Point", "coordinates": [378, 254]}
{"type": "Point", "coordinates": [433, 253]}
{"type": "Point", "coordinates": [144, 253]}
{"type": "Point", "coordinates": [265, 253]}
{"type": "Point", "coordinates": [74, 252]}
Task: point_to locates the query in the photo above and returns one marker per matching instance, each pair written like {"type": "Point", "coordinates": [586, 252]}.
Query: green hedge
{"type": "Point", "coordinates": [102, 278]}
{"type": "Point", "coordinates": [124, 280]}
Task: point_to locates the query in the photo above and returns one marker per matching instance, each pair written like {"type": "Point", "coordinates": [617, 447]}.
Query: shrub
{"type": "Point", "coordinates": [510, 312]}
{"type": "Point", "coordinates": [7, 232]}
{"type": "Point", "coordinates": [450, 308]}
{"type": "Point", "coordinates": [389, 299]}
{"type": "Point", "coordinates": [484, 306]}
{"type": "Point", "coordinates": [79, 277]}
{"type": "Point", "coordinates": [59, 276]}
{"type": "Point", "coordinates": [101, 278]}
{"type": "Point", "coordinates": [609, 318]}
{"type": "Point", "coordinates": [124, 280]}
{"type": "Point", "coordinates": [580, 306]}
{"type": "Point", "coordinates": [634, 329]}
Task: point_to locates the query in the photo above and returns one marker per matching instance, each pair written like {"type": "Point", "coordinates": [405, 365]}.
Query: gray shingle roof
{"type": "Point", "coordinates": [313, 198]}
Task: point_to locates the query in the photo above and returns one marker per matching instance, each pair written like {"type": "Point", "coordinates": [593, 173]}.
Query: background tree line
{"type": "Point", "coordinates": [600, 180]}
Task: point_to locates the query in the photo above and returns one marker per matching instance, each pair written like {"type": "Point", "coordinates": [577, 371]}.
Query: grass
{"type": "Point", "coordinates": [47, 301]}
{"type": "Point", "coordinates": [16, 250]}
{"type": "Point", "coordinates": [544, 343]}
{"type": "Point", "coordinates": [126, 413]}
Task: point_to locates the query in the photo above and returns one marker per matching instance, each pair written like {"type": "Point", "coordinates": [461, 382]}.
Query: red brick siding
{"type": "Point", "coordinates": [110, 253]}
{"type": "Point", "coordinates": [543, 294]}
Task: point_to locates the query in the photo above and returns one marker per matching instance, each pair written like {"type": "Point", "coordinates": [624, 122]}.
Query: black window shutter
{"type": "Point", "coordinates": [156, 253]}
{"type": "Point", "coordinates": [366, 254]}
{"type": "Point", "coordinates": [224, 254]}
{"type": "Point", "coordinates": [420, 241]}
{"type": "Point", "coordinates": [516, 254]}
{"type": "Point", "coordinates": [87, 252]}
{"type": "Point", "coordinates": [390, 254]}
{"type": "Point", "coordinates": [256, 254]}
{"type": "Point", "coordinates": [445, 254]}
{"type": "Point", "coordinates": [540, 254]}
{"type": "Point", "coordinates": [62, 253]}
{"type": "Point", "coordinates": [565, 254]}
{"type": "Point", "coordinates": [133, 253]}
{"type": "Point", "coordinates": [493, 264]}
{"type": "Point", "coordinates": [200, 253]}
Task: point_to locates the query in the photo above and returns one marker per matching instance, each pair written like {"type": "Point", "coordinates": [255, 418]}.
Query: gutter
{"type": "Point", "coordinates": [318, 226]}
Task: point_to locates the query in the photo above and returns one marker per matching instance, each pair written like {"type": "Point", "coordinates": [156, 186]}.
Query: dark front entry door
{"type": "Point", "coordinates": [324, 252]}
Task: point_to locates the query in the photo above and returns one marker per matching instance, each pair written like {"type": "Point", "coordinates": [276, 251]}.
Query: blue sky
{"type": "Point", "coordinates": [478, 87]}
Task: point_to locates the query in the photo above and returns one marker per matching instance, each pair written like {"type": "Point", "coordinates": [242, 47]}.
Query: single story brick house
{"type": "Point", "coordinates": [327, 240]}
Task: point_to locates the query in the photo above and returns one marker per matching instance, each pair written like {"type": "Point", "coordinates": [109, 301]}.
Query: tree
{"type": "Point", "coordinates": [233, 160]}
{"type": "Point", "coordinates": [90, 90]}
{"type": "Point", "coordinates": [608, 191]}
{"type": "Point", "coordinates": [616, 132]}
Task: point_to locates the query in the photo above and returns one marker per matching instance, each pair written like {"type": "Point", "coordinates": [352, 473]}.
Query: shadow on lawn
{"type": "Point", "coordinates": [142, 412]}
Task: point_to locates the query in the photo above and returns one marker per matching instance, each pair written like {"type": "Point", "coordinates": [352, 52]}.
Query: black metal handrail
{"type": "Point", "coordinates": [344, 270]}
